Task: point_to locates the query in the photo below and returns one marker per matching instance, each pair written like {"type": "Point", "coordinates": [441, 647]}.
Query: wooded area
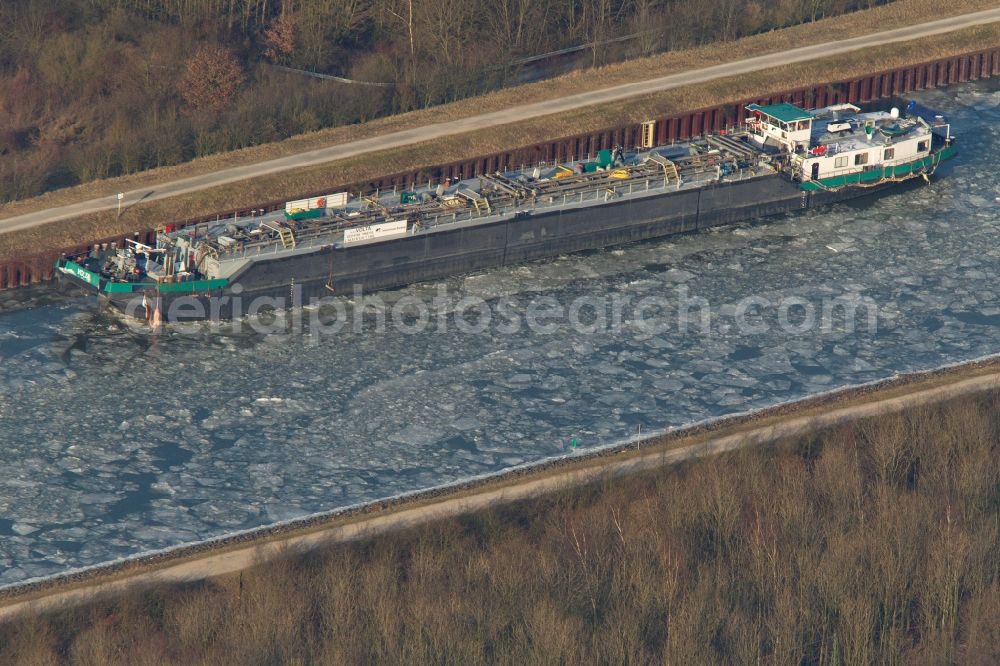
{"type": "Point", "coordinates": [874, 542]}
{"type": "Point", "coordinates": [96, 88]}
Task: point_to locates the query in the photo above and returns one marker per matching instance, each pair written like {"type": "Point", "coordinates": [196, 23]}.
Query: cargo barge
{"type": "Point", "coordinates": [785, 159]}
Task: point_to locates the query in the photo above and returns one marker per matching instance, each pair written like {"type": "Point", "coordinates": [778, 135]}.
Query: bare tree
{"type": "Point", "coordinates": [511, 22]}
{"type": "Point", "coordinates": [403, 10]}
{"type": "Point", "coordinates": [212, 78]}
{"type": "Point", "coordinates": [280, 39]}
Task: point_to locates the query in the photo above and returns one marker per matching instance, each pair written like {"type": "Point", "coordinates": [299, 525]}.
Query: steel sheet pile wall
{"type": "Point", "coordinates": [968, 67]}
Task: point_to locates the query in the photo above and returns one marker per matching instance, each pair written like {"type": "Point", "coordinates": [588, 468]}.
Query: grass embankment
{"type": "Point", "coordinates": [875, 541]}
{"type": "Point", "coordinates": [346, 172]}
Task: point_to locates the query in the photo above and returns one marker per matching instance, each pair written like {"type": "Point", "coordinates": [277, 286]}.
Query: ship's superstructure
{"type": "Point", "coordinates": [785, 159]}
{"type": "Point", "coordinates": [839, 145]}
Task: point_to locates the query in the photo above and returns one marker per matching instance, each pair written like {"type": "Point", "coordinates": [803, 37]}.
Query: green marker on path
{"type": "Point", "coordinates": [572, 443]}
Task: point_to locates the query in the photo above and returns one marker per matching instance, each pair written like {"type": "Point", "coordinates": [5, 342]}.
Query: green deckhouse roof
{"type": "Point", "coordinates": [784, 112]}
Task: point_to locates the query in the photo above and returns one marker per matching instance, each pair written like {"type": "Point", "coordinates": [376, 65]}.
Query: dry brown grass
{"type": "Point", "coordinates": [871, 542]}
{"type": "Point", "coordinates": [347, 172]}
{"type": "Point", "coordinates": [900, 13]}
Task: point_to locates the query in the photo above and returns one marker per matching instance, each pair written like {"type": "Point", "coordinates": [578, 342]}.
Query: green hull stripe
{"type": "Point", "coordinates": [192, 286]}
{"type": "Point", "coordinates": [78, 271]}
{"type": "Point", "coordinates": [95, 281]}
{"type": "Point", "coordinates": [876, 175]}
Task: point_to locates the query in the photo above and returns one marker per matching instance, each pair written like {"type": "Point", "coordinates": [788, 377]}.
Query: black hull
{"type": "Point", "coordinates": [295, 280]}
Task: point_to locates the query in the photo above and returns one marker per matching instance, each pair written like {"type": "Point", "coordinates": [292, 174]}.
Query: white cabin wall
{"type": "Point", "coordinates": [905, 151]}
{"type": "Point", "coordinates": [788, 138]}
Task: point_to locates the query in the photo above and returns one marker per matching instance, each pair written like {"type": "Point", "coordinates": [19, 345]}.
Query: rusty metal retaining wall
{"type": "Point", "coordinates": [967, 67]}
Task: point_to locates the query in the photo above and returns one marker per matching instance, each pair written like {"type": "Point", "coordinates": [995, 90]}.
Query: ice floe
{"type": "Point", "coordinates": [116, 443]}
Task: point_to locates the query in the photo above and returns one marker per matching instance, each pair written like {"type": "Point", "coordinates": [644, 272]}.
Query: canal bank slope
{"type": "Point", "coordinates": [32, 227]}
{"type": "Point", "coordinates": [801, 420]}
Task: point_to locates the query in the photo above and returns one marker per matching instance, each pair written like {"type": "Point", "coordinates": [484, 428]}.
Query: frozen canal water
{"type": "Point", "coordinates": [115, 442]}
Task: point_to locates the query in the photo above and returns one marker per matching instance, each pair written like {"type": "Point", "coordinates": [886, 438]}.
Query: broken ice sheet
{"type": "Point", "coordinates": [152, 443]}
